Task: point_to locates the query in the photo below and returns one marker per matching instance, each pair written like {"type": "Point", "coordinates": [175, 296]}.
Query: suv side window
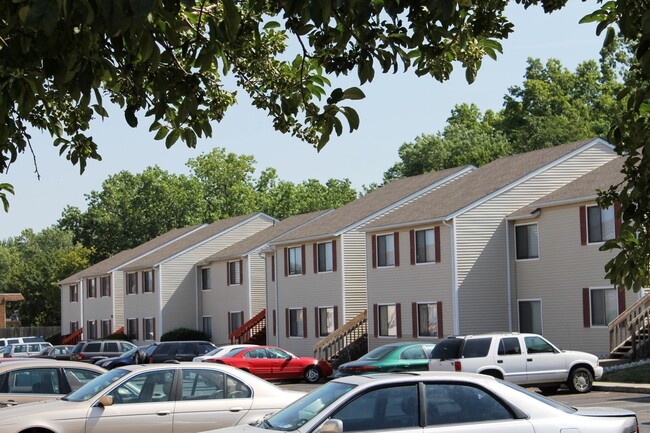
{"type": "Point", "coordinates": [538, 345]}
{"type": "Point", "coordinates": [110, 347]}
{"type": "Point", "coordinates": [476, 347]}
{"type": "Point", "coordinates": [92, 347]}
{"type": "Point", "coordinates": [447, 349]}
{"type": "Point", "coordinates": [509, 346]}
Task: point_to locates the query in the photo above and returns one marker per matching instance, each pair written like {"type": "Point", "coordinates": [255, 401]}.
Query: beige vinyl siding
{"type": "Point", "coordinates": [117, 292]}
{"type": "Point", "coordinates": [406, 284]}
{"type": "Point", "coordinates": [557, 278]}
{"type": "Point", "coordinates": [142, 305]}
{"type": "Point", "coordinates": [482, 282]}
{"type": "Point", "coordinates": [257, 283]}
{"type": "Point", "coordinates": [351, 256]}
{"type": "Point", "coordinates": [70, 311]}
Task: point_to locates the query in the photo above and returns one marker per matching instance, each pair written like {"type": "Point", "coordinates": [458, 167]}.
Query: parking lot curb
{"type": "Point", "coordinates": [638, 388]}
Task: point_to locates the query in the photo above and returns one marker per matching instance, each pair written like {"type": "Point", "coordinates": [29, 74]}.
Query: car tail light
{"type": "Point", "coordinates": [457, 366]}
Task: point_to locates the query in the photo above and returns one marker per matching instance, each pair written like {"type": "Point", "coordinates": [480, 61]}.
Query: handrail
{"type": "Point", "coordinates": [630, 326]}
{"type": "Point", "coordinates": [245, 332]}
{"type": "Point", "coordinates": [342, 338]}
{"type": "Point", "coordinates": [73, 338]}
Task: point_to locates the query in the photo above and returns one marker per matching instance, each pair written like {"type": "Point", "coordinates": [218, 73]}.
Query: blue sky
{"type": "Point", "coordinates": [397, 108]}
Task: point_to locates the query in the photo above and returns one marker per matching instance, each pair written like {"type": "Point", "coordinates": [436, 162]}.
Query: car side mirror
{"type": "Point", "coordinates": [105, 400]}
{"type": "Point", "coordinates": [332, 425]}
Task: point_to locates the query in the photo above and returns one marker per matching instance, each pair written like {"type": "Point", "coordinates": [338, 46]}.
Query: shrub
{"type": "Point", "coordinates": [116, 336]}
{"type": "Point", "coordinates": [181, 334]}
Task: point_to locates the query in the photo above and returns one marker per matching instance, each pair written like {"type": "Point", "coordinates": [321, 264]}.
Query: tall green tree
{"type": "Point", "coordinates": [32, 264]}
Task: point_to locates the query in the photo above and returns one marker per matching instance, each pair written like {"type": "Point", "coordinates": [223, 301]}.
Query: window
{"type": "Point", "coordinates": [387, 320]}
{"type": "Point", "coordinates": [425, 247]}
{"type": "Point", "coordinates": [600, 224]}
{"type": "Point", "coordinates": [34, 381]}
{"type": "Point", "coordinates": [147, 281]}
{"type": "Point", "coordinates": [105, 286]}
{"type": "Point", "coordinates": [74, 293]}
{"type": "Point", "coordinates": [530, 316]}
{"type": "Point", "coordinates": [385, 250]}
{"type": "Point", "coordinates": [235, 320]}
{"type": "Point", "coordinates": [234, 273]}
{"type": "Point", "coordinates": [132, 329]}
{"type": "Point", "coordinates": [509, 346]}
{"type": "Point", "coordinates": [537, 345]}
{"type": "Point", "coordinates": [106, 328]}
{"type": "Point", "coordinates": [326, 319]}
{"type": "Point", "coordinates": [604, 306]}
{"type": "Point", "coordinates": [476, 347]}
{"type": "Point", "coordinates": [207, 326]}
{"type": "Point", "coordinates": [132, 283]}
{"type": "Point", "coordinates": [92, 329]}
{"type": "Point", "coordinates": [209, 385]}
{"type": "Point", "coordinates": [325, 257]}
{"type": "Point", "coordinates": [147, 387]}
{"type": "Point", "coordinates": [149, 329]}
{"type": "Point", "coordinates": [205, 279]}
{"type": "Point", "coordinates": [74, 327]}
{"type": "Point", "coordinates": [296, 322]}
{"type": "Point", "coordinates": [91, 288]}
{"type": "Point", "coordinates": [427, 319]}
{"type": "Point", "coordinates": [294, 259]}
{"type": "Point", "coordinates": [460, 403]}
{"type": "Point", "coordinates": [527, 241]}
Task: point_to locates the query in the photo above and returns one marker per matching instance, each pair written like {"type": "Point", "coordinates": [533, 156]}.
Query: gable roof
{"type": "Point", "coordinates": [261, 239]}
{"type": "Point", "coordinates": [204, 234]}
{"type": "Point", "coordinates": [466, 192]}
{"type": "Point", "coordinates": [372, 204]}
{"type": "Point", "coordinates": [584, 188]}
{"type": "Point", "coordinates": [124, 257]}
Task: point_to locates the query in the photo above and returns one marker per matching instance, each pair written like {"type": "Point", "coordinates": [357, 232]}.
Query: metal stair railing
{"type": "Point", "coordinates": [249, 330]}
{"type": "Point", "coordinates": [630, 328]}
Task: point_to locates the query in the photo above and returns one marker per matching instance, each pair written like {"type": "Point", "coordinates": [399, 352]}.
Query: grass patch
{"type": "Point", "coordinates": [636, 374]}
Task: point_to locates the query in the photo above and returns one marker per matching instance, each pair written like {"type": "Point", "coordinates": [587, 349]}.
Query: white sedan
{"type": "Point", "coordinates": [220, 351]}
{"type": "Point", "coordinates": [156, 398]}
{"type": "Point", "coordinates": [435, 402]}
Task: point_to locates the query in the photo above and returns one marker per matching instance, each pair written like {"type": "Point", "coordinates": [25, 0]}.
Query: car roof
{"type": "Point", "coordinates": [41, 362]}
{"type": "Point", "coordinates": [415, 376]}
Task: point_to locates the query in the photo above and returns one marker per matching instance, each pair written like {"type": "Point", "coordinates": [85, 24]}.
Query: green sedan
{"type": "Point", "coordinates": [408, 356]}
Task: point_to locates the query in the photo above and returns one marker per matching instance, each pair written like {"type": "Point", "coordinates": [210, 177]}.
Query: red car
{"type": "Point", "coordinates": [269, 362]}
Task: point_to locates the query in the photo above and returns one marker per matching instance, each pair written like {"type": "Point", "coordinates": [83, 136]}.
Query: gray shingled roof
{"type": "Point", "coordinates": [582, 189]}
{"type": "Point", "coordinates": [192, 240]}
{"type": "Point", "coordinates": [359, 210]}
{"type": "Point", "coordinates": [262, 238]}
{"type": "Point", "coordinates": [123, 257]}
{"type": "Point", "coordinates": [442, 203]}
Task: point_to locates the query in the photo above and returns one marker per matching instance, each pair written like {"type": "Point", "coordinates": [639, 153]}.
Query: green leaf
{"type": "Point", "coordinates": [353, 93]}
{"type": "Point", "coordinates": [232, 19]}
{"type": "Point", "coordinates": [352, 116]}
{"type": "Point", "coordinates": [335, 96]}
{"type": "Point", "coordinates": [129, 115]}
{"type": "Point", "coordinates": [141, 8]}
{"type": "Point", "coordinates": [162, 133]}
{"type": "Point", "coordinates": [271, 25]}
{"type": "Point", "coordinates": [172, 138]}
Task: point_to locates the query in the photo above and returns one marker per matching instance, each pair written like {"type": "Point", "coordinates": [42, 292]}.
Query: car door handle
{"type": "Point", "coordinates": [529, 359]}
{"type": "Point", "coordinates": [236, 409]}
{"type": "Point", "coordinates": [500, 361]}
{"type": "Point", "coordinates": [163, 412]}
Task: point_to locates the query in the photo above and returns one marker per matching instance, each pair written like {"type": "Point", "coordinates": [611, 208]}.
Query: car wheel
{"type": "Point", "coordinates": [549, 390]}
{"type": "Point", "coordinates": [580, 380]}
{"type": "Point", "coordinates": [312, 374]}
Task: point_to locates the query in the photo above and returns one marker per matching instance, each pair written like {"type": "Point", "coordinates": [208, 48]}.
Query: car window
{"type": "Point", "coordinates": [256, 353]}
{"type": "Point", "coordinates": [476, 347]}
{"type": "Point", "coordinates": [202, 385]}
{"type": "Point", "coordinates": [277, 353]}
{"type": "Point", "coordinates": [536, 344]}
{"type": "Point", "coordinates": [92, 347]}
{"type": "Point", "coordinates": [78, 377]}
{"type": "Point", "coordinates": [378, 353]}
{"type": "Point", "coordinates": [205, 348]}
{"type": "Point", "coordinates": [20, 348]}
{"type": "Point", "coordinates": [147, 387]}
{"type": "Point", "coordinates": [126, 347]}
{"type": "Point", "coordinates": [414, 352]}
{"type": "Point", "coordinates": [96, 385]}
{"type": "Point", "coordinates": [110, 347]}
{"type": "Point", "coordinates": [509, 346]}
{"type": "Point", "coordinates": [186, 348]}
{"type": "Point", "coordinates": [164, 349]}
{"type": "Point", "coordinates": [34, 381]}
{"type": "Point", "coordinates": [447, 349]}
{"type": "Point", "coordinates": [462, 403]}
{"type": "Point", "coordinates": [380, 409]}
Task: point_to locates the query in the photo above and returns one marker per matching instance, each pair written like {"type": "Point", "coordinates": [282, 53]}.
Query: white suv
{"type": "Point", "coordinates": [524, 359]}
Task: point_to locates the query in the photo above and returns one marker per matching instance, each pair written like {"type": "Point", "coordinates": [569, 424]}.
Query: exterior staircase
{"type": "Point", "coordinates": [346, 343]}
{"type": "Point", "coordinates": [251, 332]}
{"type": "Point", "coordinates": [629, 333]}
{"type": "Point", "coordinates": [73, 338]}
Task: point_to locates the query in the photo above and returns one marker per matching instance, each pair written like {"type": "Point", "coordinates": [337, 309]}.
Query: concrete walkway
{"type": "Point", "coordinates": [637, 388]}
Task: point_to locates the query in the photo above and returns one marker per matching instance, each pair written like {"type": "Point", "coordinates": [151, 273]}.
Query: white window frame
{"type": "Point", "coordinates": [434, 309]}
{"type": "Point", "coordinates": [389, 250]}
{"type": "Point", "coordinates": [149, 326]}
{"type": "Point", "coordinates": [328, 320]}
{"type": "Point", "coordinates": [604, 238]}
{"type": "Point", "coordinates": [151, 288]}
{"type": "Point", "coordinates": [427, 248]}
{"type": "Point", "coordinates": [130, 288]}
{"type": "Point", "coordinates": [91, 288]}
{"type": "Point", "coordinates": [105, 279]}
{"type": "Point", "coordinates": [294, 260]}
{"type": "Point", "coordinates": [299, 324]}
{"type": "Point", "coordinates": [239, 314]}
{"type": "Point", "coordinates": [234, 273]}
{"type": "Point", "coordinates": [135, 335]}
{"type": "Point", "coordinates": [206, 283]}
{"type": "Point", "coordinates": [207, 330]}
{"type": "Point", "coordinates": [530, 258]}
{"type": "Point", "coordinates": [104, 323]}
{"type": "Point", "coordinates": [328, 255]}
{"type": "Point", "coordinates": [74, 293]}
{"type": "Point", "coordinates": [391, 330]}
{"type": "Point", "coordinates": [541, 314]}
{"type": "Point", "coordinates": [591, 305]}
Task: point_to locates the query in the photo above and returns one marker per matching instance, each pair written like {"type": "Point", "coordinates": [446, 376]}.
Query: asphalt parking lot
{"type": "Point", "coordinates": [638, 403]}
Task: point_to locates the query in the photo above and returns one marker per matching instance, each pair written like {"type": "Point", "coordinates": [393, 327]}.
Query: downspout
{"type": "Point", "coordinates": [277, 298]}
{"type": "Point", "coordinates": [81, 310]}
{"type": "Point", "coordinates": [197, 301]}
{"type": "Point", "coordinates": [159, 322]}
{"type": "Point", "coordinates": [454, 277]}
{"type": "Point", "coordinates": [508, 276]}
{"type": "Point", "coordinates": [250, 287]}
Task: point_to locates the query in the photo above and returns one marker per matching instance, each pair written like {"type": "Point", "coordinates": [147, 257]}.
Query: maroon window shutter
{"type": "Point", "coordinates": [110, 289]}
{"type": "Point", "coordinates": [412, 246]}
{"type": "Point", "coordinates": [229, 322]}
{"type": "Point", "coordinates": [275, 323]}
{"type": "Point", "coordinates": [304, 259]}
{"type": "Point", "coordinates": [583, 225]}
{"type": "Point", "coordinates": [586, 310]}
{"type": "Point", "coordinates": [227, 273]}
{"type": "Point", "coordinates": [617, 218]}
{"type": "Point", "coordinates": [621, 299]}
{"type": "Point", "coordinates": [414, 318]}
{"type": "Point", "coordinates": [374, 250]}
{"type": "Point", "coordinates": [137, 329]}
{"type": "Point", "coordinates": [316, 323]}
{"type": "Point", "coordinates": [334, 255]}
{"type": "Point", "coordinates": [286, 312]}
{"type": "Point", "coordinates": [273, 268]}
{"type": "Point", "coordinates": [375, 314]}
{"type": "Point", "coordinates": [336, 317]}
{"type": "Point", "coordinates": [439, 308]}
{"type": "Point", "coordinates": [396, 242]}
{"type": "Point", "coordinates": [315, 249]}
{"type": "Point", "coordinates": [398, 317]}
{"type": "Point", "coordinates": [436, 236]}
{"type": "Point", "coordinates": [153, 324]}
{"type": "Point", "coordinates": [286, 262]}
{"type": "Point", "coordinates": [304, 322]}
{"type": "Point", "coordinates": [241, 272]}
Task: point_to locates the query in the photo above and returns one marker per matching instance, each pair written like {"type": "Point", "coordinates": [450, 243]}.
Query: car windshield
{"type": "Point", "coordinates": [306, 408]}
{"type": "Point", "coordinates": [540, 398]}
{"type": "Point", "coordinates": [96, 385]}
{"type": "Point", "coordinates": [129, 353]}
{"type": "Point", "coordinates": [447, 349]}
{"type": "Point", "coordinates": [234, 352]}
{"type": "Point", "coordinates": [377, 353]}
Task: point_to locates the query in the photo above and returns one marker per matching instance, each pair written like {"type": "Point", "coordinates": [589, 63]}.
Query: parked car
{"type": "Point", "coordinates": [435, 402]}
{"type": "Point", "coordinates": [524, 359]}
{"type": "Point", "coordinates": [177, 351]}
{"type": "Point", "coordinates": [42, 379]}
{"type": "Point", "coordinates": [183, 398]}
{"type": "Point", "coordinates": [23, 350]}
{"type": "Point", "coordinates": [61, 351]}
{"type": "Point", "coordinates": [94, 350]}
{"type": "Point", "coordinates": [16, 340]}
{"type": "Point", "coordinates": [220, 351]}
{"type": "Point", "coordinates": [393, 357]}
{"type": "Point", "coordinates": [269, 362]}
{"type": "Point", "coordinates": [137, 355]}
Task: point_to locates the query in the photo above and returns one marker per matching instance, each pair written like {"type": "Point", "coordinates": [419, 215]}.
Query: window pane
{"type": "Point", "coordinates": [207, 326]}
{"type": "Point", "coordinates": [527, 241]}
{"type": "Point", "coordinates": [295, 261]}
{"type": "Point", "coordinates": [205, 279]}
{"type": "Point", "coordinates": [385, 250]}
{"type": "Point", "coordinates": [530, 317]}
{"type": "Point", "coordinates": [296, 323]}
{"type": "Point", "coordinates": [604, 306]}
{"type": "Point", "coordinates": [607, 219]}
{"type": "Point", "coordinates": [594, 224]}
{"type": "Point", "coordinates": [326, 321]}
{"type": "Point", "coordinates": [387, 321]}
{"type": "Point", "coordinates": [424, 246]}
{"type": "Point", "coordinates": [325, 257]}
{"type": "Point", "coordinates": [457, 403]}
{"type": "Point", "coordinates": [428, 320]}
